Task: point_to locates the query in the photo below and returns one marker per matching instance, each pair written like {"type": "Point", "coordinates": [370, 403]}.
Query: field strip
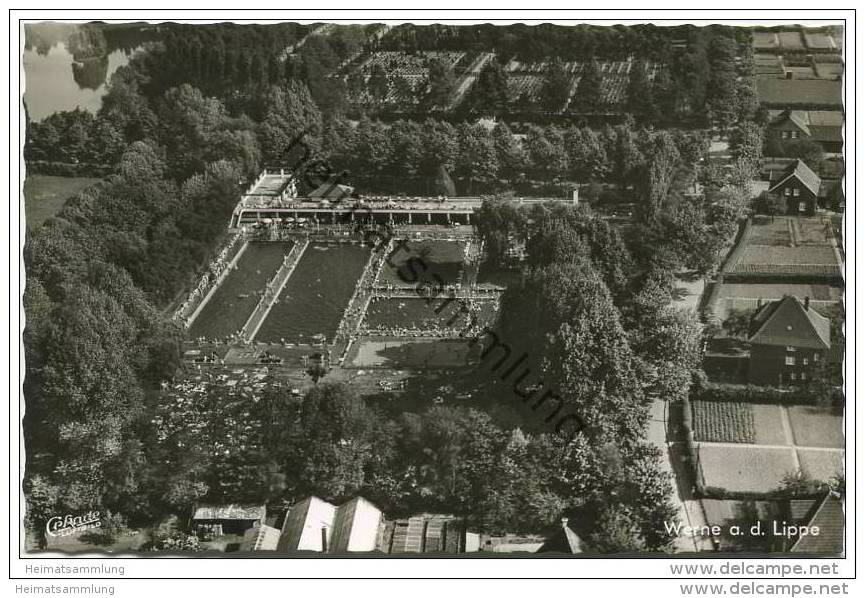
{"type": "Point", "coordinates": [788, 434]}
{"type": "Point", "coordinates": [223, 275]}
{"type": "Point", "coordinates": [772, 446]}
{"type": "Point", "coordinates": [281, 278]}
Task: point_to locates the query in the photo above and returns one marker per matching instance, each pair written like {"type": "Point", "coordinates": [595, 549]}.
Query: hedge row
{"type": "Point", "coordinates": [97, 171]}
{"type": "Point", "coordinates": [757, 394]}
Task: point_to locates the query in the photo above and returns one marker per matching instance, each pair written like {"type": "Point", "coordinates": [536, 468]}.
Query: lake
{"type": "Point", "coordinates": [54, 82]}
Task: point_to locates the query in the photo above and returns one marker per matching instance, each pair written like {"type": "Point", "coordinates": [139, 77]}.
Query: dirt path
{"type": "Point", "coordinates": [690, 511]}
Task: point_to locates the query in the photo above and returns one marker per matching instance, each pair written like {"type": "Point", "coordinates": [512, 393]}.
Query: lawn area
{"type": "Point", "coordinates": [409, 353]}
{"type": "Point", "coordinates": [232, 303]}
{"type": "Point", "coordinates": [490, 276]}
{"type": "Point", "coordinates": [745, 468]}
{"type": "Point", "coordinates": [402, 312]}
{"type": "Point", "coordinates": [817, 426]}
{"type": "Point", "coordinates": [765, 231]}
{"type": "Point", "coordinates": [769, 425]}
{"type": "Point", "coordinates": [44, 195]}
{"type": "Point", "coordinates": [821, 465]}
{"type": "Point", "coordinates": [812, 231]}
{"type": "Point", "coordinates": [804, 254]}
{"type": "Point", "coordinates": [438, 262]}
{"type": "Point", "coordinates": [723, 421]}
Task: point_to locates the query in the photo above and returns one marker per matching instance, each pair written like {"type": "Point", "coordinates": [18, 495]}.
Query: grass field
{"type": "Point", "coordinates": [438, 262]}
{"type": "Point", "coordinates": [817, 426]}
{"type": "Point", "coordinates": [745, 468]}
{"type": "Point", "coordinates": [402, 312]}
{"type": "Point", "coordinates": [44, 195]}
{"type": "Point", "coordinates": [409, 353]}
{"type": "Point", "coordinates": [233, 302]}
{"type": "Point", "coordinates": [723, 421]}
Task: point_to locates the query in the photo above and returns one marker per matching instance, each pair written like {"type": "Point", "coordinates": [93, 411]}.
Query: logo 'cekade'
{"type": "Point", "coordinates": [68, 525]}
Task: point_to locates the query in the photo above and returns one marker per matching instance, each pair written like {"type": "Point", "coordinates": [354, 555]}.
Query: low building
{"type": "Point", "coordinates": [307, 526]}
{"type": "Point", "coordinates": [355, 526]}
{"type": "Point", "coordinates": [428, 533]}
{"type": "Point", "coordinates": [800, 188]}
{"type": "Point", "coordinates": [789, 339]}
{"type": "Point", "coordinates": [821, 126]}
{"type": "Point", "coordinates": [317, 525]}
{"type": "Point", "coordinates": [228, 519]}
{"type": "Point", "coordinates": [260, 537]}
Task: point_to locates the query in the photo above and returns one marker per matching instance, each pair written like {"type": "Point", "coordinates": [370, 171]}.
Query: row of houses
{"type": "Point", "coordinates": [318, 526]}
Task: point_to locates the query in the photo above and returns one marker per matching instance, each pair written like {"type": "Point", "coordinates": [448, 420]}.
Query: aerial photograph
{"type": "Point", "coordinates": [312, 290]}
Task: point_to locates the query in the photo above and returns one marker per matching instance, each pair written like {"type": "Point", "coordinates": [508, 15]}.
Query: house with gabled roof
{"type": "Point", "coordinates": [789, 340]}
{"type": "Point", "coordinates": [800, 188]}
{"type": "Point", "coordinates": [821, 126]}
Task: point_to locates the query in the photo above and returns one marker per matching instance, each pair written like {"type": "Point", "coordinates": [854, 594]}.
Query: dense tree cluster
{"type": "Point", "coordinates": [598, 329]}
{"type": "Point", "coordinates": [101, 272]}
{"type": "Point", "coordinates": [188, 123]}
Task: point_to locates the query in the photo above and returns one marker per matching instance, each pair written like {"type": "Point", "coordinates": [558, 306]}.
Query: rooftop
{"type": "Point", "coordinates": [235, 512]}
{"type": "Point", "coordinates": [787, 323]}
{"type": "Point", "coordinates": [828, 516]}
{"type": "Point", "coordinates": [803, 93]}
{"type": "Point", "coordinates": [801, 171]}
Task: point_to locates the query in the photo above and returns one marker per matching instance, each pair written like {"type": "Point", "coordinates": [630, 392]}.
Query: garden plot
{"type": "Point", "coordinates": [817, 426]}
{"type": "Point", "coordinates": [765, 231]}
{"type": "Point", "coordinates": [723, 421]}
{"type": "Point", "coordinates": [804, 259]}
{"type": "Point", "coordinates": [432, 262]}
{"type": "Point", "coordinates": [751, 447]}
{"type": "Point", "coordinates": [821, 464]}
{"type": "Point", "coordinates": [234, 300]}
{"type": "Point", "coordinates": [764, 40]}
{"type": "Point", "coordinates": [829, 70]}
{"type": "Point", "coordinates": [525, 79]}
{"type": "Point", "coordinates": [411, 69]}
{"type": "Point", "coordinates": [740, 296]}
{"type": "Point", "coordinates": [791, 40]}
{"type": "Point", "coordinates": [745, 468]}
{"type": "Point", "coordinates": [787, 246]}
